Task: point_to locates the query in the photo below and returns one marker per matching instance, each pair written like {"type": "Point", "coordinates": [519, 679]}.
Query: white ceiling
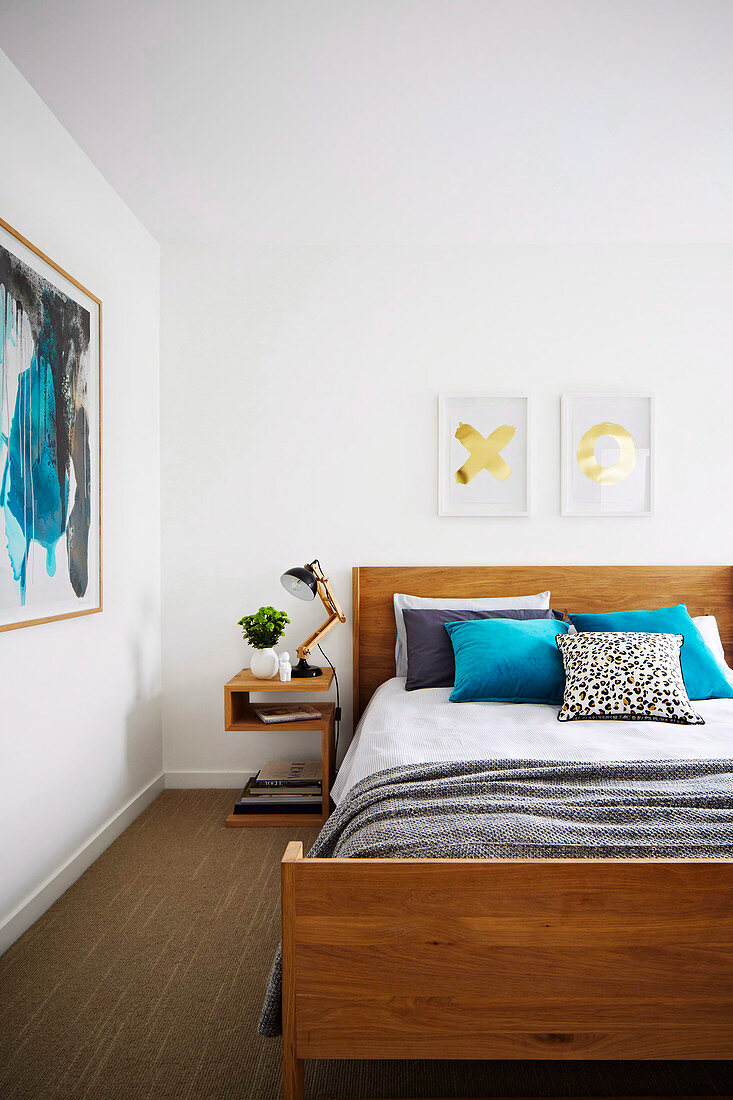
{"type": "Point", "coordinates": [362, 121]}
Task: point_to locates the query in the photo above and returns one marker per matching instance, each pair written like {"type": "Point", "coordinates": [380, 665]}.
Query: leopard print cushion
{"type": "Point", "coordinates": [626, 676]}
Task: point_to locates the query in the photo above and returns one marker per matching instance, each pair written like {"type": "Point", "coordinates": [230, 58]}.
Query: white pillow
{"type": "Point", "coordinates": [540, 602]}
{"type": "Point", "coordinates": [708, 627]}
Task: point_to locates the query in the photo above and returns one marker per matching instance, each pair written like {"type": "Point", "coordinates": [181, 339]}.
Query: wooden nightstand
{"type": "Point", "coordinates": [239, 718]}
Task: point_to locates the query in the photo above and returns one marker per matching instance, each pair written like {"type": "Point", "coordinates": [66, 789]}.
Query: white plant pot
{"type": "Point", "coordinates": [264, 664]}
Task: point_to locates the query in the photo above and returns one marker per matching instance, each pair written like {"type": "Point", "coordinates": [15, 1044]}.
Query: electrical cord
{"type": "Point", "coordinates": [337, 712]}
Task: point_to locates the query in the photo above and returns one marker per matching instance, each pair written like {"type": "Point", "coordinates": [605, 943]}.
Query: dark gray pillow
{"type": "Point", "coordinates": [430, 658]}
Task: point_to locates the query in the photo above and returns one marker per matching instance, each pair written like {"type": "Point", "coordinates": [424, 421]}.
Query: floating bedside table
{"type": "Point", "coordinates": [240, 718]}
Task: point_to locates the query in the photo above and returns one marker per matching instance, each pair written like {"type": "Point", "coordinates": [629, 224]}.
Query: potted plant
{"type": "Point", "coordinates": [263, 630]}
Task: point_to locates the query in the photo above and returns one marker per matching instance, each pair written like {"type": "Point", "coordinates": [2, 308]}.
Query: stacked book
{"type": "Point", "coordinates": [283, 787]}
{"type": "Point", "coordinates": [290, 712]}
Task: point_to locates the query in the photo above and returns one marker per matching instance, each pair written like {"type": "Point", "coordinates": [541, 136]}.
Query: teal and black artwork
{"type": "Point", "coordinates": [49, 440]}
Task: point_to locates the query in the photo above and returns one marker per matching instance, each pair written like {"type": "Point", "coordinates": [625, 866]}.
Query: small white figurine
{"type": "Point", "coordinates": [286, 669]}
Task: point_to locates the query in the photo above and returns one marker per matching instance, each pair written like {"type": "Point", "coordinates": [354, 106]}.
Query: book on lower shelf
{"type": "Point", "coordinates": [289, 773]}
{"type": "Point", "coordinates": [277, 800]}
{"type": "Point", "coordinates": [287, 712]}
{"type": "Point", "coordinates": [283, 792]}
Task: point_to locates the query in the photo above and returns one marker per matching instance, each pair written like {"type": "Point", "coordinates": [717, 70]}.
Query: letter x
{"type": "Point", "coordinates": [484, 452]}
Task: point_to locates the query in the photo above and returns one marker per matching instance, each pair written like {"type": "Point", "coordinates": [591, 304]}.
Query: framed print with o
{"type": "Point", "coordinates": [607, 454]}
{"type": "Point", "coordinates": [50, 439]}
{"type": "Point", "coordinates": [483, 454]}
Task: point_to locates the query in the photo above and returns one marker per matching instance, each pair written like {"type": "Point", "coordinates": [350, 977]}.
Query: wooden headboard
{"type": "Point", "coordinates": [706, 589]}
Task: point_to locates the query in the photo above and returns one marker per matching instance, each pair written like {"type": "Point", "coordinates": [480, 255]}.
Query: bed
{"type": "Point", "coordinates": [401, 728]}
{"type": "Point", "coordinates": [548, 958]}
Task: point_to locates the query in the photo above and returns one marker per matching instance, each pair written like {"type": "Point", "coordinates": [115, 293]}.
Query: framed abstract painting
{"type": "Point", "coordinates": [50, 439]}
{"type": "Point", "coordinates": [483, 454]}
{"type": "Point", "coordinates": [607, 454]}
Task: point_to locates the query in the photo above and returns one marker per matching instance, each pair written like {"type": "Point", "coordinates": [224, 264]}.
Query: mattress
{"type": "Point", "coordinates": [414, 727]}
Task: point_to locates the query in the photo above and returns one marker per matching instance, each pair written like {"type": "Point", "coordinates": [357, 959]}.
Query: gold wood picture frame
{"type": "Point", "coordinates": [50, 439]}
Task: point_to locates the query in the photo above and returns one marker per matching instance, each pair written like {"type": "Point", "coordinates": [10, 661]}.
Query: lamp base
{"type": "Point", "coordinates": [304, 669]}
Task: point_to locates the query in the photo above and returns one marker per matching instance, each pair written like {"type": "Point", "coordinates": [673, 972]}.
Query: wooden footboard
{"type": "Point", "coordinates": [558, 959]}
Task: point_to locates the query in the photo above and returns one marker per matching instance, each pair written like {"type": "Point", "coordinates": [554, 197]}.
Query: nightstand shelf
{"type": "Point", "coordinates": [245, 821]}
{"type": "Point", "coordinates": [246, 721]}
{"type": "Point", "coordinates": [240, 718]}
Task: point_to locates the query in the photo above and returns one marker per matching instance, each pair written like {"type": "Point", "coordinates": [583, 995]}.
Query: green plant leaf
{"type": "Point", "coordinates": [264, 628]}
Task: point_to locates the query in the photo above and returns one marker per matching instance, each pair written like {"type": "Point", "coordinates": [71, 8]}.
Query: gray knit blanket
{"type": "Point", "coordinates": [492, 809]}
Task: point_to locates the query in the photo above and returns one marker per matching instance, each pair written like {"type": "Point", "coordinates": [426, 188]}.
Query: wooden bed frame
{"type": "Point", "coordinates": [484, 959]}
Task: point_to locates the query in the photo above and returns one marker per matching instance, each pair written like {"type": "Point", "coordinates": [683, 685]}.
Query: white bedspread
{"type": "Point", "coordinates": [412, 727]}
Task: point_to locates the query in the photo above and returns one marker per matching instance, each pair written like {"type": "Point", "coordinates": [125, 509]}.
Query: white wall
{"type": "Point", "coordinates": [80, 730]}
{"type": "Point", "coordinates": [300, 418]}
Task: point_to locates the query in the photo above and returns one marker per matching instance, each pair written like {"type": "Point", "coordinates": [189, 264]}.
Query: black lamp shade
{"type": "Point", "coordinates": [301, 582]}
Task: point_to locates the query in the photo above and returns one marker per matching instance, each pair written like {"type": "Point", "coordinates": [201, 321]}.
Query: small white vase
{"type": "Point", "coordinates": [264, 664]}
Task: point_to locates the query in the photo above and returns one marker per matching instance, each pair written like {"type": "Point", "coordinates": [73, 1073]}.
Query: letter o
{"type": "Point", "coordinates": [606, 475]}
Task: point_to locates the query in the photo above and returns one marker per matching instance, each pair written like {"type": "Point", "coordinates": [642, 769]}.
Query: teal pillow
{"type": "Point", "coordinates": [703, 676]}
{"type": "Point", "coordinates": [507, 661]}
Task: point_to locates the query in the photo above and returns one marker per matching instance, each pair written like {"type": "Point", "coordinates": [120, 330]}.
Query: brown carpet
{"type": "Point", "coordinates": [145, 980]}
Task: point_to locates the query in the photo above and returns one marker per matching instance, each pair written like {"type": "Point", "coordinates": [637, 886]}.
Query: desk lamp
{"type": "Point", "coordinates": [306, 582]}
